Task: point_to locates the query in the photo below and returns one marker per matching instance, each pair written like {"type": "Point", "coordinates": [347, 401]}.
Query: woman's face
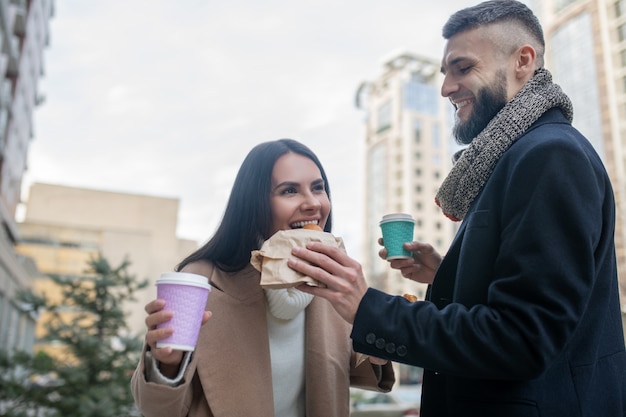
{"type": "Point", "coordinates": [298, 194]}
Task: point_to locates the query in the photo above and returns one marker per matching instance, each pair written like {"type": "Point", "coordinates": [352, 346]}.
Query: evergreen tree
{"type": "Point", "coordinates": [92, 375]}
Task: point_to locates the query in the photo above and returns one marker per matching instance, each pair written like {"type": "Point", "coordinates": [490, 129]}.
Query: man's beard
{"type": "Point", "coordinates": [489, 101]}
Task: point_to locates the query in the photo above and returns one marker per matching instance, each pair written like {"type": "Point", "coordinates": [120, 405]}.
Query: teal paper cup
{"type": "Point", "coordinates": [397, 229]}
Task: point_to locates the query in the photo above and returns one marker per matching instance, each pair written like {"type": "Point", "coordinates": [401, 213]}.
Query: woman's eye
{"type": "Point", "coordinates": [290, 190]}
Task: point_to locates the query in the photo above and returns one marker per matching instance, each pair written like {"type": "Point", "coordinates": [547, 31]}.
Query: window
{"type": "Point", "coordinates": [384, 116]}
{"type": "Point", "coordinates": [620, 8]}
{"type": "Point", "coordinates": [436, 138]}
{"type": "Point", "coordinates": [421, 97]}
{"type": "Point", "coordinates": [417, 131]}
{"type": "Point", "coordinates": [562, 4]}
{"type": "Point", "coordinates": [621, 32]}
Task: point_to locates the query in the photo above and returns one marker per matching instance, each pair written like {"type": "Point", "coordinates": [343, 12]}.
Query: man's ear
{"type": "Point", "coordinates": [526, 62]}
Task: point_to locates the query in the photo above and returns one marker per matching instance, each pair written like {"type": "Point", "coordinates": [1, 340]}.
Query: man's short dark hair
{"type": "Point", "coordinates": [494, 11]}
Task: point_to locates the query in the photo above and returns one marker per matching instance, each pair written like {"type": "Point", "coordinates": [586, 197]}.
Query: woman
{"type": "Point", "coordinates": [260, 352]}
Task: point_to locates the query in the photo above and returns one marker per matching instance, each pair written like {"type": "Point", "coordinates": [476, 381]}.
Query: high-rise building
{"type": "Point", "coordinates": [65, 226]}
{"type": "Point", "coordinates": [24, 34]}
{"type": "Point", "coordinates": [586, 53]}
{"type": "Point", "coordinates": [408, 154]}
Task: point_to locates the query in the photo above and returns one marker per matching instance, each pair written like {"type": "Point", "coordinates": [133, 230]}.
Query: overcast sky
{"type": "Point", "coordinates": [166, 98]}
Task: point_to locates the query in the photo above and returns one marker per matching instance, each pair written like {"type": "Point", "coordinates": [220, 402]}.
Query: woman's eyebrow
{"type": "Point", "coordinates": [286, 183]}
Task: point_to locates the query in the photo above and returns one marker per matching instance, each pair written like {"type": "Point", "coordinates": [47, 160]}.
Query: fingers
{"type": "Point", "coordinates": [167, 355]}
{"type": "Point", "coordinates": [154, 306]}
{"type": "Point", "coordinates": [206, 316]}
{"type": "Point", "coordinates": [323, 263]}
{"type": "Point", "coordinates": [420, 248]}
{"type": "Point", "coordinates": [153, 336]}
{"type": "Point", "coordinates": [158, 317]}
{"type": "Point", "coordinates": [311, 271]}
{"type": "Point", "coordinates": [342, 276]}
{"type": "Point", "coordinates": [172, 358]}
{"type": "Point", "coordinates": [315, 252]}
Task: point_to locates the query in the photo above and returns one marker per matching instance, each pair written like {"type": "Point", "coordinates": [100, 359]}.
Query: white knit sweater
{"type": "Point", "coordinates": [285, 326]}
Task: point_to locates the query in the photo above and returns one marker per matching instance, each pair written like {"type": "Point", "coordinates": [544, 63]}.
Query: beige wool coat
{"type": "Point", "coordinates": [230, 371]}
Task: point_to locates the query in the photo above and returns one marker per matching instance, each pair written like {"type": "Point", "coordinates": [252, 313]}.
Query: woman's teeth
{"type": "Point", "coordinates": [299, 225]}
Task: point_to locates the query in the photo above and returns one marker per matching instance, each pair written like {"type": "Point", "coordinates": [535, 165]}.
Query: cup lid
{"type": "Point", "coordinates": [184, 278]}
{"type": "Point", "coordinates": [397, 216]}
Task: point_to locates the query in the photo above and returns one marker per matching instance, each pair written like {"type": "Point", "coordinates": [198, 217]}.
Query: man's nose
{"type": "Point", "coordinates": [449, 86]}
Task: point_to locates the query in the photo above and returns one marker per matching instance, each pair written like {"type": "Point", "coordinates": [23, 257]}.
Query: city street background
{"type": "Point", "coordinates": [166, 98]}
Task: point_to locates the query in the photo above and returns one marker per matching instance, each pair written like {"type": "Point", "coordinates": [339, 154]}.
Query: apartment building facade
{"type": "Point", "coordinates": [586, 53]}
{"type": "Point", "coordinates": [24, 35]}
{"type": "Point", "coordinates": [408, 154]}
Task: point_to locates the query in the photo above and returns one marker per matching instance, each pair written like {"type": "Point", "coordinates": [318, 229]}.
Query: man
{"type": "Point", "coordinates": [522, 316]}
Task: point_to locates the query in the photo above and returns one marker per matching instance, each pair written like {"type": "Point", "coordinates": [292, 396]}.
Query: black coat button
{"type": "Point", "coordinates": [380, 343]}
{"type": "Point", "coordinates": [401, 350]}
{"type": "Point", "coordinates": [390, 347]}
{"type": "Point", "coordinates": [370, 338]}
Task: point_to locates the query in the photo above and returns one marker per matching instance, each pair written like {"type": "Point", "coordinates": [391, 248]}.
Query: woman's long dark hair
{"type": "Point", "coordinates": [247, 219]}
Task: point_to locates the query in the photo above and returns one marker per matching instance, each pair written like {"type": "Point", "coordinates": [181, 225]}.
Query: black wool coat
{"type": "Point", "coordinates": [523, 317]}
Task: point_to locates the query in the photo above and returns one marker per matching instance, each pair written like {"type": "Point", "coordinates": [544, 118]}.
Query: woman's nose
{"type": "Point", "coordinates": [311, 202]}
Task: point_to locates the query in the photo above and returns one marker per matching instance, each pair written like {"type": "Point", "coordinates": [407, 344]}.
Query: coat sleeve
{"type": "Point", "coordinates": [156, 399]}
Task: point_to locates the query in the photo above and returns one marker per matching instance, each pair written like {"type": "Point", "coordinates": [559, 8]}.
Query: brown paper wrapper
{"type": "Point", "coordinates": [271, 259]}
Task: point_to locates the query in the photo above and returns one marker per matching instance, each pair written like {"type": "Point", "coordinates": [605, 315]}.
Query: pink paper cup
{"type": "Point", "coordinates": [186, 295]}
{"type": "Point", "coordinates": [397, 228]}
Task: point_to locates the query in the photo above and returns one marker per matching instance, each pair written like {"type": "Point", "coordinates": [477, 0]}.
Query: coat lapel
{"type": "Point", "coordinates": [328, 355]}
{"type": "Point", "coordinates": [441, 292]}
{"type": "Point", "coordinates": [234, 359]}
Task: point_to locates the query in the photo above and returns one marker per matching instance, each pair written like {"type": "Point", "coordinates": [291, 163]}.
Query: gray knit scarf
{"type": "Point", "coordinates": [475, 163]}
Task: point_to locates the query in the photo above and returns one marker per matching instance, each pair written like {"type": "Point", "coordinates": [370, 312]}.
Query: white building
{"type": "Point", "coordinates": [408, 154]}
{"type": "Point", "coordinates": [24, 34]}
{"type": "Point", "coordinates": [586, 53]}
